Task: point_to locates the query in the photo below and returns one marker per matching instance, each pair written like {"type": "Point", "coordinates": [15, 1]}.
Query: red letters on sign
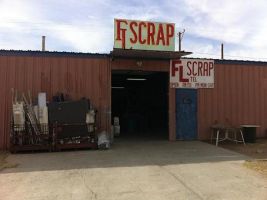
{"type": "Point", "coordinates": [192, 73]}
{"type": "Point", "coordinates": [170, 33]}
{"type": "Point", "coordinates": [142, 41]}
{"type": "Point", "coordinates": [150, 33]}
{"type": "Point", "coordinates": [181, 77]}
{"type": "Point", "coordinates": [174, 68]}
{"type": "Point", "coordinates": [200, 68]}
{"type": "Point", "coordinates": [132, 24]}
{"type": "Point", "coordinates": [144, 33]}
{"type": "Point", "coordinates": [121, 30]}
{"type": "Point", "coordinates": [178, 69]}
{"type": "Point", "coordinates": [160, 35]}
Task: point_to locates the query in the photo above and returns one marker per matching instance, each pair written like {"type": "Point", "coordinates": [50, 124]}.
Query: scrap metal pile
{"type": "Point", "coordinates": [58, 125]}
{"type": "Point", "coordinates": [29, 123]}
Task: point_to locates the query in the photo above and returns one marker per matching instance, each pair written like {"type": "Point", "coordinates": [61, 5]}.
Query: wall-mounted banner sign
{"type": "Point", "coordinates": [192, 73]}
{"type": "Point", "coordinates": [142, 35]}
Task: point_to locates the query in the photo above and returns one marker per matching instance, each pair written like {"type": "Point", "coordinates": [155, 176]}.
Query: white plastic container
{"type": "Point", "coordinates": [103, 141]}
{"type": "Point", "coordinates": [117, 130]}
{"type": "Point", "coordinates": [18, 116]}
{"type": "Point", "coordinates": [43, 115]}
{"type": "Point", "coordinates": [42, 99]}
{"type": "Point", "coordinates": [90, 117]}
{"type": "Point", "coordinates": [116, 121]}
{"type": "Point", "coordinates": [36, 111]}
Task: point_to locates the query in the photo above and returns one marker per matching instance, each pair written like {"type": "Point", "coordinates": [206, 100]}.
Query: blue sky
{"type": "Point", "coordinates": [87, 25]}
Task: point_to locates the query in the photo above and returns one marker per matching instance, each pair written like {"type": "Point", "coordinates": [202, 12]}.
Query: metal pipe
{"type": "Point", "coordinates": [222, 57]}
{"type": "Point", "coordinates": [43, 43]}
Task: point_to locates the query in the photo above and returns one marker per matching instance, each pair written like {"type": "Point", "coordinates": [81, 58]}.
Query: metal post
{"type": "Point", "coordinates": [222, 57]}
{"type": "Point", "coordinates": [43, 43]}
{"type": "Point", "coordinates": [180, 41]}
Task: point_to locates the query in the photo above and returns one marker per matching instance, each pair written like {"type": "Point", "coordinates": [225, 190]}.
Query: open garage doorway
{"type": "Point", "coordinates": [140, 100]}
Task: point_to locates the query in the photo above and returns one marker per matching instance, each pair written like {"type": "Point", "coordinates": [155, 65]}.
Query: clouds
{"type": "Point", "coordinates": [69, 27]}
{"type": "Point", "coordinates": [87, 25]}
{"type": "Point", "coordinates": [226, 22]}
{"type": "Point", "coordinates": [239, 24]}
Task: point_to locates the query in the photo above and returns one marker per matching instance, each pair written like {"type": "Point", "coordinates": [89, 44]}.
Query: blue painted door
{"type": "Point", "coordinates": [186, 114]}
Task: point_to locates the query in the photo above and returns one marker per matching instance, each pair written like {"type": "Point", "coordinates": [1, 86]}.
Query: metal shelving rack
{"type": "Point", "coordinates": [23, 138]}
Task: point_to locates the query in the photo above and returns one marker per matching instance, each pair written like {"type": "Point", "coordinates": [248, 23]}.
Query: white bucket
{"type": "Point", "coordinates": [18, 116]}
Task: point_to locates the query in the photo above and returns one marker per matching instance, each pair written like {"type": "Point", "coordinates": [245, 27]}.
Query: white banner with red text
{"type": "Point", "coordinates": [192, 73]}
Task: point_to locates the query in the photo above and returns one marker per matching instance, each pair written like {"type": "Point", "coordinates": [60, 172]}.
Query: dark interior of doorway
{"type": "Point", "coordinates": [141, 104]}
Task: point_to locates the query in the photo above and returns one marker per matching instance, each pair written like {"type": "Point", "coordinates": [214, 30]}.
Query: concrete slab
{"type": "Point", "coordinates": [133, 170]}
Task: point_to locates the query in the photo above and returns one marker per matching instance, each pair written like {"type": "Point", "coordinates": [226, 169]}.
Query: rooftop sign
{"type": "Point", "coordinates": [143, 35]}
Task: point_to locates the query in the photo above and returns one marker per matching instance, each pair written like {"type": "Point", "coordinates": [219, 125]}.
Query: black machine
{"type": "Point", "coordinates": [70, 116]}
{"type": "Point", "coordinates": [68, 112]}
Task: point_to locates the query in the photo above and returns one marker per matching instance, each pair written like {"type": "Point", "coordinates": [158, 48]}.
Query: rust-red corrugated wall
{"type": "Point", "coordinates": [77, 76]}
{"type": "Point", "coordinates": [240, 92]}
{"type": "Point", "coordinates": [240, 95]}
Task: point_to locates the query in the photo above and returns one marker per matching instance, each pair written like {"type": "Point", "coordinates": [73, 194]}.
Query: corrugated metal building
{"type": "Point", "coordinates": [239, 95]}
{"type": "Point", "coordinates": [80, 75]}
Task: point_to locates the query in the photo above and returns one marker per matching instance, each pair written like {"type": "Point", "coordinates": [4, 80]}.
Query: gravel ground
{"type": "Point", "coordinates": [257, 151]}
{"type": "Point", "coordinates": [146, 170]}
{"type": "Point", "coordinates": [3, 162]}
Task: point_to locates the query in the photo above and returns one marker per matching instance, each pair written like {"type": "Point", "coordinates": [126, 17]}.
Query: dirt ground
{"type": "Point", "coordinates": [133, 169]}
{"type": "Point", "coordinates": [3, 163]}
{"type": "Point", "coordinates": [257, 151]}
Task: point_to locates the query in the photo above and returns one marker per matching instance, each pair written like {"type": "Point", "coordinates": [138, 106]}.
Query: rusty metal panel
{"type": "Point", "coordinates": [240, 95]}
{"type": "Point", "coordinates": [77, 76]}
{"type": "Point", "coordinates": [84, 77]}
{"type": "Point", "coordinates": [144, 54]}
{"type": "Point", "coordinates": [23, 74]}
{"type": "Point", "coordinates": [3, 83]}
{"type": "Point", "coordinates": [172, 115]}
{"type": "Point", "coordinates": [147, 65]}
{"type": "Point", "coordinates": [240, 92]}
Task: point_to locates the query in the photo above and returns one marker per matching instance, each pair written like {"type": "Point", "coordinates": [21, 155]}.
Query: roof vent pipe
{"type": "Point", "coordinates": [43, 43]}
{"type": "Point", "coordinates": [222, 51]}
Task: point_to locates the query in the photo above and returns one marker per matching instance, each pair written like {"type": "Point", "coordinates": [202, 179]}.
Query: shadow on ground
{"type": "Point", "coordinates": [125, 153]}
